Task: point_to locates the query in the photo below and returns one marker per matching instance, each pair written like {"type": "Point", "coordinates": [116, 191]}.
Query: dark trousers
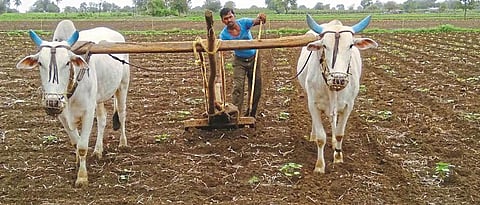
{"type": "Point", "coordinates": [244, 68]}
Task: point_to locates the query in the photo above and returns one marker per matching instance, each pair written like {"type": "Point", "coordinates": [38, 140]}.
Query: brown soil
{"type": "Point", "coordinates": [429, 83]}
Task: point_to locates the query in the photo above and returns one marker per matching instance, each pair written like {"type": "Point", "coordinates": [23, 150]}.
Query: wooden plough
{"type": "Point", "coordinates": [219, 114]}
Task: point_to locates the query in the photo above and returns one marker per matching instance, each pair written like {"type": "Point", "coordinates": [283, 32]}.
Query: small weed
{"type": "Point", "coordinates": [423, 90]}
{"type": "Point", "coordinates": [363, 88]}
{"type": "Point", "coordinates": [229, 67]}
{"type": "Point", "coordinates": [183, 114]}
{"type": "Point", "coordinates": [285, 88]}
{"type": "Point", "coordinates": [161, 138]}
{"type": "Point", "coordinates": [472, 117]}
{"type": "Point", "coordinates": [442, 170]}
{"type": "Point", "coordinates": [291, 169]}
{"type": "Point", "coordinates": [50, 139]}
{"type": "Point", "coordinates": [283, 116]}
{"type": "Point", "coordinates": [384, 114]}
{"type": "Point", "coordinates": [253, 180]}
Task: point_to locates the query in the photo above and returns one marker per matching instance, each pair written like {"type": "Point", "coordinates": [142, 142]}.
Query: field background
{"type": "Point", "coordinates": [418, 106]}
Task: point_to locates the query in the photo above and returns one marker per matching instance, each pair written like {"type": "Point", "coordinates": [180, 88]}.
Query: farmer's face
{"type": "Point", "coordinates": [229, 19]}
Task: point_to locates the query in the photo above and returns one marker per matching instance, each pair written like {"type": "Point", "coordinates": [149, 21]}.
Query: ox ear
{"type": "Point", "coordinates": [78, 61]}
{"type": "Point", "coordinates": [361, 25]}
{"type": "Point", "coordinates": [28, 62]}
{"type": "Point", "coordinates": [315, 46]}
{"type": "Point", "coordinates": [365, 43]}
{"type": "Point", "coordinates": [73, 38]}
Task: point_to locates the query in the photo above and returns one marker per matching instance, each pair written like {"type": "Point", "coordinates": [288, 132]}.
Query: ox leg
{"type": "Point", "coordinates": [339, 135]}
{"type": "Point", "coordinates": [72, 133]}
{"type": "Point", "coordinates": [121, 108]}
{"type": "Point", "coordinates": [82, 148]}
{"type": "Point", "coordinates": [318, 133]}
{"type": "Point", "coordinates": [336, 138]}
{"type": "Point", "coordinates": [101, 123]}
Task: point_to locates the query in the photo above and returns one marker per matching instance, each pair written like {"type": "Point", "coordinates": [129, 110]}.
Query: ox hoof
{"type": "Point", "coordinates": [337, 157]}
{"type": "Point", "coordinates": [81, 182]}
{"type": "Point", "coordinates": [98, 154]}
{"type": "Point", "coordinates": [320, 170]}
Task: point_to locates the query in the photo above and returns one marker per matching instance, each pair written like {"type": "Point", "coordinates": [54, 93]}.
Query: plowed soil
{"type": "Point", "coordinates": [418, 106]}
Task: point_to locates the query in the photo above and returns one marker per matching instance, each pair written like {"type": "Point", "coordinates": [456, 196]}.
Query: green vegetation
{"type": "Point", "coordinates": [442, 170]}
{"type": "Point", "coordinates": [291, 169]}
{"type": "Point", "coordinates": [161, 138]}
{"type": "Point", "coordinates": [50, 139]}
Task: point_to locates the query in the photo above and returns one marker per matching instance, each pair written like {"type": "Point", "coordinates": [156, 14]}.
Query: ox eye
{"type": "Point", "coordinates": [351, 46]}
{"type": "Point", "coordinates": [40, 64]}
{"type": "Point", "coordinates": [68, 63]}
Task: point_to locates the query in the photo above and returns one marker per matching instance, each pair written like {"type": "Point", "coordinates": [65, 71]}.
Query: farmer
{"type": "Point", "coordinates": [244, 60]}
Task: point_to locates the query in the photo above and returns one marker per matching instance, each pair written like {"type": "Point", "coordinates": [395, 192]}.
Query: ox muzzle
{"type": "Point", "coordinates": [54, 103]}
{"type": "Point", "coordinates": [337, 81]}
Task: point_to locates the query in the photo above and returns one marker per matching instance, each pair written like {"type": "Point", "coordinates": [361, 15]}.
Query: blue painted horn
{"type": "Point", "coordinates": [35, 38]}
{"type": "Point", "coordinates": [314, 25]}
{"type": "Point", "coordinates": [73, 38]}
{"type": "Point", "coordinates": [361, 25]}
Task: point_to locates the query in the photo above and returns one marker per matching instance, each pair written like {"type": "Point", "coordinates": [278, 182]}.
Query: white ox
{"type": "Point", "coordinates": [330, 70]}
{"type": "Point", "coordinates": [75, 91]}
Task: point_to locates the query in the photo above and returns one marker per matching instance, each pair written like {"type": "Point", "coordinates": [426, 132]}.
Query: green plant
{"type": "Point", "coordinates": [50, 139]}
{"type": "Point", "coordinates": [384, 114]}
{"type": "Point", "coordinates": [253, 180]}
{"type": "Point", "coordinates": [291, 169]}
{"type": "Point", "coordinates": [442, 170]}
{"type": "Point", "coordinates": [285, 88]}
{"type": "Point", "coordinates": [283, 116]}
{"type": "Point", "coordinates": [162, 138]}
{"type": "Point", "coordinates": [363, 88]}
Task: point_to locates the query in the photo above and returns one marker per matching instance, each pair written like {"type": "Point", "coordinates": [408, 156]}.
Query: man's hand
{"type": "Point", "coordinates": [262, 17]}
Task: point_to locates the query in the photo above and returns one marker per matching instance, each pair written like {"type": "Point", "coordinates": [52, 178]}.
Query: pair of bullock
{"type": "Point", "coordinates": [329, 71]}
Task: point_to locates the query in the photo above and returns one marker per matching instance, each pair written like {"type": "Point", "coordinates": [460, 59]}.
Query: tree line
{"type": "Point", "coordinates": [183, 7]}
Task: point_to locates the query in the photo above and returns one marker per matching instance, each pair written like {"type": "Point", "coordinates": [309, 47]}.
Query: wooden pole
{"type": "Point", "coordinates": [212, 60]}
{"type": "Point", "coordinates": [186, 46]}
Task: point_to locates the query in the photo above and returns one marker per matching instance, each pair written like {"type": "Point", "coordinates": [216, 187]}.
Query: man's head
{"type": "Point", "coordinates": [228, 16]}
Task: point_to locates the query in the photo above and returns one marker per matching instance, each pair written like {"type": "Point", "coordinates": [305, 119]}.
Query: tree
{"type": "Point", "coordinates": [212, 5]}
{"type": "Point", "coordinates": [281, 6]}
{"type": "Point", "coordinates": [410, 6]}
{"type": "Point", "coordinates": [391, 6]}
{"type": "Point", "coordinates": [44, 6]}
{"type": "Point", "coordinates": [17, 3]}
{"type": "Point", "coordinates": [156, 7]}
{"type": "Point", "coordinates": [340, 7]}
{"type": "Point", "coordinates": [366, 3]}
{"type": "Point", "coordinates": [181, 6]}
{"type": "Point", "coordinates": [466, 5]}
{"type": "Point", "coordinates": [229, 4]}
{"type": "Point", "coordinates": [318, 6]}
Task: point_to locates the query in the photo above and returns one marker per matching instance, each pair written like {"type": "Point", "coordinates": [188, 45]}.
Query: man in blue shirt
{"type": "Point", "coordinates": [243, 59]}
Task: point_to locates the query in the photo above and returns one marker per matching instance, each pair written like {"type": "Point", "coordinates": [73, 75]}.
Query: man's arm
{"type": "Point", "coordinates": [260, 18]}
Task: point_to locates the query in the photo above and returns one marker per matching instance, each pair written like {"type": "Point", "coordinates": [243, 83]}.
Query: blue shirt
{"type": "Point", "coordinates": [245, 34]}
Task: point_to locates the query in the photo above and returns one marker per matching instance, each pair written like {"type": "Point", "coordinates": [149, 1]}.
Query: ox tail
{"type": "Point", "coordinates": [116, 121]}
{"type": "Point", "coordinates": [115, 118]}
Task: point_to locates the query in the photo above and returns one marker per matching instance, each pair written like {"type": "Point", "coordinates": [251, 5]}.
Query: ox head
{"type": "Point", "coordinates": [56, 63]}
{"type": "Point", "coordinates": [338, 45]}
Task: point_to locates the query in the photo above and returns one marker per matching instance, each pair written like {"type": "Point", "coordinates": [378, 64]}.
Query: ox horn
{"type": "Point", "coordinates": [314, 25]}
{"type": "Point", "coordinates": [73, 38]}
{"type": "Point", "coordinates": [361, 25]}
{"type": "Point", "coordinates": [35, 38]}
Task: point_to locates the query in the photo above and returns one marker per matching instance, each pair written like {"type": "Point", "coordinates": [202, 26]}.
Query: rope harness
{"type": "Point", "coordinates": [336, 81]}
{"type": "Point", "coordinates": [53, 71]}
